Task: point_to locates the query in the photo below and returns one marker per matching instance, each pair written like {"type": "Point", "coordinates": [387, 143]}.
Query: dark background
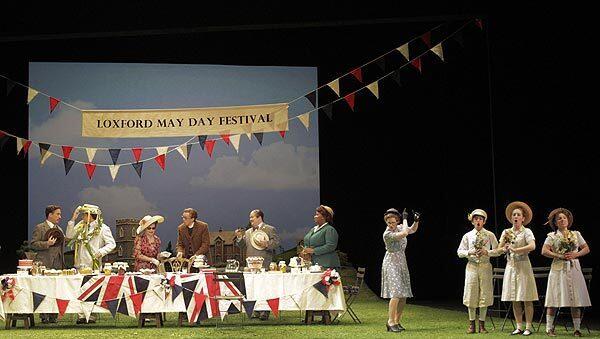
{"type": "Point", "coordinates": [503, 119]}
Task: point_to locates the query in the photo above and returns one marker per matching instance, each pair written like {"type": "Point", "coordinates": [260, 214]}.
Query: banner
{"type": "Point", "coordinates": [183, 122]}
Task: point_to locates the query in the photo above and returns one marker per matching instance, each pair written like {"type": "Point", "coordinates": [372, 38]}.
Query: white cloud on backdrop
{"type": "Point", "coordinates": [278, 166]}
{"type": "Point", "coordinates": [110, 200]}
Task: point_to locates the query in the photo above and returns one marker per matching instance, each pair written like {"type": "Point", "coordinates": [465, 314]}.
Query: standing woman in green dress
{"type": "Point", "coordinates": [321, 241]}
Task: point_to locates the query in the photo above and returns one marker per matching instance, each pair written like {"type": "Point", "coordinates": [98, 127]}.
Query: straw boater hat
{"type": "Point", "coordinates": [328, 209]}
{"type": "Point", "coordinates": [527, 213]}
{"type": "Point", "coordinates": [478, 212]}
{"type": "Point", "coordinates": [147, 221]}
{"type": "Point", "coordinates": [555, 213]}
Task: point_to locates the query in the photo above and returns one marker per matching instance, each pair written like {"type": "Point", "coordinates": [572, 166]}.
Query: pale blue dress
{"type": "Point", "coordinates": [395, 278]}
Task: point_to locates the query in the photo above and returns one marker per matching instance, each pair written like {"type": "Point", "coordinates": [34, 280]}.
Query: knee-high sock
{"type": "Point", "coordinates": [577, 324]}
{"type": "Point", "coordinates": [472, 313]}
{"type": "Point", "coordinates": [549, 322]}
{"type": "Point", "coordinates": [482, 313]}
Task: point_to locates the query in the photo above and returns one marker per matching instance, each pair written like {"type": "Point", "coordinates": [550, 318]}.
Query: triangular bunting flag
{"type": "Point", "coordinates": [328, 110]}
{"type": "Point", "coordinates": [225, 138]}
{"type": "Point", "coordinates": [479, 23]}
{"type": "Point", "coordinates": [162, 150]}
{"type": "Point", "coordinates": [404, 51]}
{"type": "Point", "coordinates": [37, 300]}
{"type": "Point", "coordinates": [321, 288]}
{"type": "Point", "coordinates": [249, 135]}
{"type": "Point", "coordinates": [427, 39]}
{"type": "Point", "coordinates": [114, 154]}
{"type": "Point", "coordinates": [90, 168]}
{"type": "Point", "coordinates": [335, 86]}
{"type": "Point", "coordinates": [235, 141]}
{"type": "Point", "coordinates": [160, 160]}
{"type": "Point", "coordinates": [175, 291]}
{"type": "Point", "coordinates": [221, 313]}
{"type": "Point", "coordinates": [437, 49]}
{"type": "Point", "coordinates": [31, 93]}
{"type": "Point", "coordinates": [91, 152]}
{"type": "Point", "coordinates": [62, 306]}
{"type": "Point", "coordinates": [259, 137]}
{"type": "Point", "coordinates": [233, 309]}
{"type": "Point", "coordinates": [416, 63]}
{"type": "Point", "coordinates": [381, 63]}
{"type": "Point", "coordinates": [249, 307]}
{"type": "Point", "coordinates": [23, 144]}
{"type": "Point", "coordinates": [312, 97]}
{"type": "Point", "coordinates": [53, 103]}
{"type": "Point", "coordinates": [374, 88]}
{"type": "Point", "coordinates": [274, 305]}
{"type": "Point", "coordinates": [68, 164]}
{"type": "Point", "coordinates": [137, 153]}
{"type": "Point", "coordinates": [199, 298]}
{"type": "Point", "coordinates": [184, 150]}
{"type": "Point", "coordinates": [138, 168]}
{"type": "Point", "coordinates": [282, 133]}
{"type": "Point", "coordinates": [202, 141]}
{"type": "Point", "coordinates": [122, 308]}
{"type": "Point", "coordinates": [305, 119]}
{"type": "Point", "coordinates": [43, 149]}
{"type": "Point", "coordinates": [111, 305]}
{"type": "Point", "coordinates": [67, 151]}
{"type": "Point", "coordinates": [141, 284]}
{"type": "Point", "coordinates": [114, 169]}
{"type": "Point", "coordinates": [45, 157]}
{"type": "Point", "coordinates": [9, 86]}
{"type": "Point", "coordinates": [188, 291]}
{"type": "Point", "coordinates": [350, 100]}
{"type": "Point", "coordinates": [210, 144]}
{"type": "Point", "coordinates": [282, 127]}
{"type": "Point", "coordinates": [357, 74]}
{"type": "Point", "coordinates": [137, 300]}
{"type": "Point", "coordinates": [86, 309]}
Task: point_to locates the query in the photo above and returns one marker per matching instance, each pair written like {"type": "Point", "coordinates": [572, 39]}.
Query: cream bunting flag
{"type": "Point", "coordinates": [86, 309]}
{"type": "Point", "coordinates": [183, 150]}
{"type": "Point", "coordinates": [162, 150]}
{"type": "Point", "coordinates": [335, 86]}
{"type": "Point", "coordinates": [235, 141]}
{"type": "Point", "coordinates": [374, 88]}
{"type": "Point", "coordinates": [114, 169]}
{"type": "Point", "coordinates": [20, 143]}
{"type": "Point", "coordinates": [91, 152]}
{"type": "Point", "coordinates": [31, 93]}
{"type": "Point", "coordinates": [437, 49]}
{"type": "Point", "coordinates": [249, 135]}
{"type": "Point", "coordinates": [404, 50]}
{"type": "Point", "coordinates": [45, 157]}
{"type": "Point", "coordinates": [305, 119]}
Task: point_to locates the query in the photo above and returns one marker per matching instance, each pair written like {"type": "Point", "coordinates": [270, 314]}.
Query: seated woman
{"type": "Point", "coordinates": [147, 243]}
{"type": "Point", "coordinates": [320, 243]}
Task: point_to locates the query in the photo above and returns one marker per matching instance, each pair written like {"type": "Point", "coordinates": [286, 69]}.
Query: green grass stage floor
{"type": "Point", "coordinates": [420, 322]}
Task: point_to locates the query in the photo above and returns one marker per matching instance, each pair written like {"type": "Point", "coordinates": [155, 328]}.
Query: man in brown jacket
{"type": "Point", "coordinates": [49, 251]}
{"type": "Point", "coordinates": [192, 236]}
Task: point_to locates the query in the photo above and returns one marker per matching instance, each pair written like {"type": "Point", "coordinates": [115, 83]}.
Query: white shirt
{"type": "Point", "coordinates": [102, 243]}
{"type": "Point", "coordinates": [50, 224]}
{"type": "Point", "coordinates": [316, 228]}
{"type": "Point", "coordinates": [468, 243]}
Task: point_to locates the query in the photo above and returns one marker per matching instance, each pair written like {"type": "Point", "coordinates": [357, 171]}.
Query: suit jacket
{"type": "Point", "coordinates": [245, 243]}
{"type": "Point", "coordinates": [196, 244]}
{"type": "Point", "coordinates": [324, 241]}
{"type": "Point", "coordinates": [50, 256]}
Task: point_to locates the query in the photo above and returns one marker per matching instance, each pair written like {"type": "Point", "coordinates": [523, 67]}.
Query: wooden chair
{"type": "Point", "coordinates": [144, 317]}
{"type": "Point", "coordinates": [231, 278]}
{"type": "Point", "coordinates": [11, 320]}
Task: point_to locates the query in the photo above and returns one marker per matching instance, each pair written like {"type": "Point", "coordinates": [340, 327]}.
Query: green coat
{"type": "Point", "coordinates": [324, 242]}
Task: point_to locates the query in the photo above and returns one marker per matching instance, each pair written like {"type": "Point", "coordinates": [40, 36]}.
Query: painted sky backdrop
{"type": "Point", "coordinates": [281, 177]}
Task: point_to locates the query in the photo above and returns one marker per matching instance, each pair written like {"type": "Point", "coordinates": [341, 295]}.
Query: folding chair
{"type": "Point", "coordinates": [497, 277]}
{"type": "Point", "coordinates": [231, 278]}
{"type": "Point", "coordinates": [540, 274]}
{"type": "Point", "coordinates": [351, 292]}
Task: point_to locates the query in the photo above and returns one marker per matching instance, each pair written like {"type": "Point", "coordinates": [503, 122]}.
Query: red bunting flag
{"type": "Point", "coordinates": [160, 160]}
{"type": "Point", "coordinates": [427, 39]}
{"type": "Point", "coordinates": [137, 300]}
{"type": "Point", "coordinates": [350, 100]}
{"type": "Point", "coordinates": [137, 153]}
{"type": "Point", "coordinates": [199, 298]}
{"type": "Point", "coordinates": [357, 74]}
{"type": "Point", "coordinates": [479, 23]}
{"type": "Point", "coordinates": [209, 145]}
{"type": "Point", "coordinates": [416, 63]}
{"type": "Point", "coordinates": [274, 305]}
{"type": "Point", "coordinates": [62, 306]}
{"type": "Point", "coordinates": [282, 133]}
{"type": "Point", "coordinates": [26, 146]}
{"type": "Point", "coordinates": [67, 151]}
{"type": "Point", "coordinates": [225, 138]}
{"type": "Point", "coordinates": [90, 168]}
{"type": "Point", "coordinates": [53, 103]}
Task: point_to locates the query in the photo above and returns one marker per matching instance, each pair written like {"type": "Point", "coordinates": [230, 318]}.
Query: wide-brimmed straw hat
{"type": "Point", "coordinates": [555, 213]}
{"type": "Point", "coordinates": [478, 212]}
{"type": "Point", "coordinates": [527, 213]}
{"type": "Point", "coordinates": [147, 221]}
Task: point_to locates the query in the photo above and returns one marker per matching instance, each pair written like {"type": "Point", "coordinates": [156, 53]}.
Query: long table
{"type": "Point", "coordinates": [196, 294]}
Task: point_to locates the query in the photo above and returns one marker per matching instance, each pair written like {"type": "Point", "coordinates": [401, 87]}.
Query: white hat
{"type": "Point", "coordinates": [89, 208]}
{"type": "Point", "coordinates": [478, 212]}
{"type": "Point", "coordinates": [147, 221]}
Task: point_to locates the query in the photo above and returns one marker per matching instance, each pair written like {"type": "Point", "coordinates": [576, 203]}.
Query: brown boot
{"type": "Point", "coordinates": [482, 327]}
{"type": "Point", "coordinates": [471, 329]}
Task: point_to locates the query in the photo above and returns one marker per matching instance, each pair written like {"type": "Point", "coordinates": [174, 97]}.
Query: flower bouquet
{"type": "Point", "coordinates": [481, 240]}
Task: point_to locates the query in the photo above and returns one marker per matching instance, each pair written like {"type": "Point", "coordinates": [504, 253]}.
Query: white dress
{"type": "Point", "coordinates": [566, 285]}
{"type": "Point", "coordinates": [479, 289]}
{"type": "Point", "coordinates": [518, 283]}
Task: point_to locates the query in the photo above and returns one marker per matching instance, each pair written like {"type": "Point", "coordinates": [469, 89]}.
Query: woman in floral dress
{"type": "Point", "coordinates": [395, 278]}
{"type": "Point", "coordinates": [147, 243]}
{"type": "Point", "coordinates": [566, 285]}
